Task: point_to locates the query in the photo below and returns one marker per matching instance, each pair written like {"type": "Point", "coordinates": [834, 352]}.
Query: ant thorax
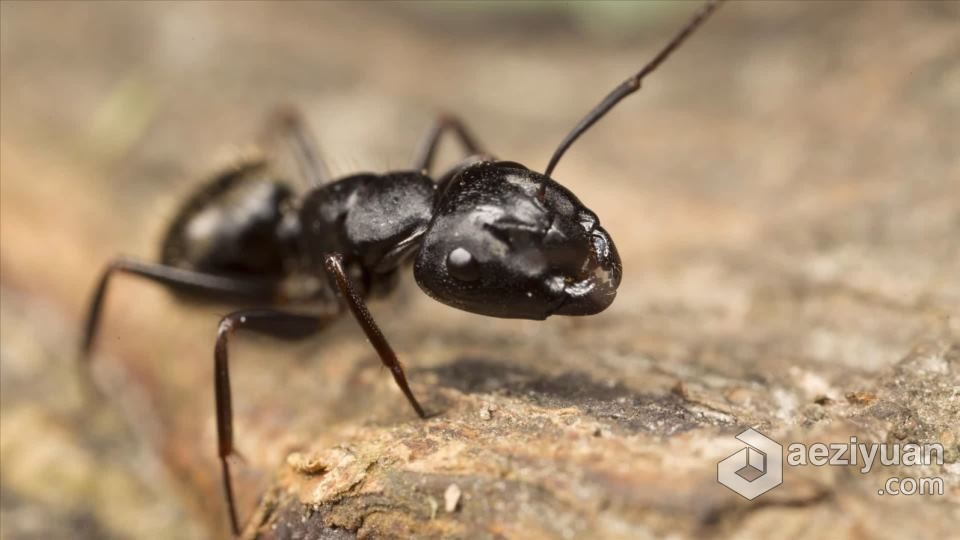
{"type": "Point", "coordinates": [374, 221]}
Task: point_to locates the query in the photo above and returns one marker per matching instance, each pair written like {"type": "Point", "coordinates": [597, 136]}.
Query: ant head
{"type": "Point", "coordinates": [509, 242]}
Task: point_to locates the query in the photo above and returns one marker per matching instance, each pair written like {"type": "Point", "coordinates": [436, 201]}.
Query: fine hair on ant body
{"type": "Point", "coordinates": [489, 237]}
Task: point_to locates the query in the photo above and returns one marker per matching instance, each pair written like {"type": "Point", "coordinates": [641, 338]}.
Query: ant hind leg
{"type": "Point", "coordinates": [180, 279]}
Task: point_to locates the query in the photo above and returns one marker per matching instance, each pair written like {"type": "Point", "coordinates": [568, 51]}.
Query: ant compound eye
{"type": "Point", "coordinates": [462, 265]}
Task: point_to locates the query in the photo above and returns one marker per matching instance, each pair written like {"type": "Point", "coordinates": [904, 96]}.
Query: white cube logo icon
{"type": "Point", "coordinates": [756, 469]}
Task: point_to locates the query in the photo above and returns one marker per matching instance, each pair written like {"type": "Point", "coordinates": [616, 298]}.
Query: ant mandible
{"type": "Point", "coordinates": [489, 237]}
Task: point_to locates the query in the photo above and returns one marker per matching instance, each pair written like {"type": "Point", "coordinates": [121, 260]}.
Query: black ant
{"type": "Point", "coordinates": [489, 237]}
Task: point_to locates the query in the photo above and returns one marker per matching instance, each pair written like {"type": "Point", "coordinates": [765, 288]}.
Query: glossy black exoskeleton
{"type": "Point", "coordinates": [509, 242]}
{"type": "Point", "coordinates": [489, 237]}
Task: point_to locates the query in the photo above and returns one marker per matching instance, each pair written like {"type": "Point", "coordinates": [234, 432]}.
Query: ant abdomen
{"type": "Point", "coordinates": [240, 224]}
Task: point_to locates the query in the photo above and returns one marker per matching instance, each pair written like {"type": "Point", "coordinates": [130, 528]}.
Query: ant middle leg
{"type": "Point", "coordinates": [423, 160]}
{"type": "Point", "coordinates": [269, 322]}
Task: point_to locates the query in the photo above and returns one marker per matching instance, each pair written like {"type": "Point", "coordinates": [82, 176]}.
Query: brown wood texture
{"type": "Point", "coordinates": [784, 193]}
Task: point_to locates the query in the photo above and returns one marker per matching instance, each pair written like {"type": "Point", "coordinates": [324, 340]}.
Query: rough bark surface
{"type": "Point", "coordinates": [784, 195]}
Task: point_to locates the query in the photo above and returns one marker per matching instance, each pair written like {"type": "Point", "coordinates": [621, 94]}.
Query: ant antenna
{"type": "Point", "coordinates": [630, 85]}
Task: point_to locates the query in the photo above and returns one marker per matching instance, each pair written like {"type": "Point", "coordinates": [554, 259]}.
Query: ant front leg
{"type": "Point", "coordinates": [262, 321]}
{"type": "Point", "coordinates": [423, 161]}
{"type": "Point", "coordinates": [334, 266]}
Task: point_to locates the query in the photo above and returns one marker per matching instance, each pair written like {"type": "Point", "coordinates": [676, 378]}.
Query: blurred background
{"type": "Point", "coordinates": [784, 191]}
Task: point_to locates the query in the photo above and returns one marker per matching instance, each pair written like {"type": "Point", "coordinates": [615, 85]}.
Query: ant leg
{"type": "Point", "coordinates": [334, 266]}
{"type": "Point", "coordinates": [262, 321]}
{"type": "Point", "coordinates": [176, 278]}
{"type": "Point", "coordinates": [289, 122]}
{"type": "Point", "coordinates": [423, 161]}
